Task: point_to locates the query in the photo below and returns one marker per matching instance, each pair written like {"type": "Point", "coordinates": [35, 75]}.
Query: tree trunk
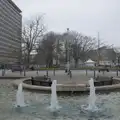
{"type": "Point", "coordinates": [37, 70]}
{"type": "Point", "coordinates": [28, 59]}
{"type": "Point", "coordinates": [76, 63]}
{"type": "Point", "coordinates": [24, 70]}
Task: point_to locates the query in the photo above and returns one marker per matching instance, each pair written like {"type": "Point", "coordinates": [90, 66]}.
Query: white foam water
{"type": "Point", "coordinates": [54, 106]}
{"type": "Point", "coordinates": [20, 97]}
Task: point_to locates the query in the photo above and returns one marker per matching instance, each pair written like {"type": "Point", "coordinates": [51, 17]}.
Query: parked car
{"type": "Point", "coordinates": [16, 68]}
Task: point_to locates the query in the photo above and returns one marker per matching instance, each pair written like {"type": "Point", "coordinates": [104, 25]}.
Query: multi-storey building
{"type": "Point", "coordinates": [10, 32]}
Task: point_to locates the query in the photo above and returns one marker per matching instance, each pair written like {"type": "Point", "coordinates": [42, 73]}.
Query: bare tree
{"type": "Point", "coordinates": [31, 35]}
{"type": "Point", "coordinates": [81, 45]}
{"type": "Point", "coordinates": [49, 47]}
{"type": "Point", "coordinates": [58, 48]}
{"type": "Point", "coordinates": [87, 44]}
{"type": "Point", "coordinates": [76, 47]}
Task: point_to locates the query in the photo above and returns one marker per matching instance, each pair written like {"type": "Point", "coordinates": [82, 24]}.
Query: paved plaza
{"type": "Point", "coordinates": [78, 76]}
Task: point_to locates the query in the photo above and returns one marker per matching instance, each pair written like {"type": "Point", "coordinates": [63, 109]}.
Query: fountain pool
{"type": "Point", "coordinates": [54, 106]}
{"type": "Point", "coordinates": [20, 97]}
{"type": "Point", "coordinates": [109, 104]}
{"type": "Point", "coordinates": [91, 107]}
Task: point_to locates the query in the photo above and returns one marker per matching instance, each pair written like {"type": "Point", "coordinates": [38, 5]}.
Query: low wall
{"type": "Point", "coordinates": [66, 87]}
{"type": "Point", "coordinates": [9, 77]}
{"type": "Point", "coordinates": [116, 80]}
{"type": "Point", "coordinates": [60, 87]}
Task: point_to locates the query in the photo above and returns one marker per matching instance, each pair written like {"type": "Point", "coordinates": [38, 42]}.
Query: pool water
{"type": "Point", "coordinates": [37, 109]}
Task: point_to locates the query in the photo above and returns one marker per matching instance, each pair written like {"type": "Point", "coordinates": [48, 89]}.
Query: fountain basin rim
{"type": "Point", "coordinates": [66, 87]}
{"type": "Point", "coordinates": [60, 87]}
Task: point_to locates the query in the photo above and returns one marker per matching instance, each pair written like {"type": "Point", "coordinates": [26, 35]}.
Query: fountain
{"type": "Point", "coordinates": [20, 96]}
{"type": "Point", "coordinates": [108, 105]}
{"type": "Point", "coordinates": [92, 96]}
{"type": "Point", "coordinates": [54, 102]}
{"type": "Point", "coordinates": [92, 99]}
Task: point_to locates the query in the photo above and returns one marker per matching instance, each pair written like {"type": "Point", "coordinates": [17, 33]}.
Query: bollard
{"type": "Point", "coordinates": [94, 74]}
{"type": "Point", "coordinates": [24, 71]}
{"type": "Point", "coordinates": [20, 72]}
{"type": "Point", "coordinates": [37, 72]}
{"type": "Point", "coordinates": [86, 72]}
{"type": "Point", "coordinates": [47, 73]}
{"type": "Point", "coordinates": [32, 80]}
{"type": "Point", "coordinates": [117, 73]}
{"type": "Point", "coordinates": [3, 72]}
{"type": "Point", "coordinates": [54, 71]}
{"type": "Point", "coordinates": [70, 74]}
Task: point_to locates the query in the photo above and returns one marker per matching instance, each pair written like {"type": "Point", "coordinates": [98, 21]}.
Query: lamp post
{"type": "Point", "coordinates": [118, 61]}
{"type": "Point", "coordinates": [24, 62]}
{"type": "Point", "coordinates": [68, 53]}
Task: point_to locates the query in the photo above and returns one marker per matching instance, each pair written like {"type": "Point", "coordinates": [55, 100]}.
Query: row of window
{"type": "Point", "coordinates": [8, 30]}
{"type": "Point", "coordinates": [10, 19]}
{"type": "Point", "coordinates": [9, 13]}
{"type": "Point", "coordinates": [8, 51]}
{"type": "Point", "coordinates": [11, 10]}
{"type": "Point", "coordinates": [8, 42]}
{"type": "Point", "coordinates": [7, 60]}
{"type": "Point", "coordinates": [11, 48]}
{"type": "Point", "coordinates": [5, 44]}
{"type": "Point", "coordinates": [7, 55]}
{"type": "Point", "coordinates": [9, 39]}
{"type": "Point", "coordinates": [9, 24]}
{"type": "Point", "coordinates": [12, 38]}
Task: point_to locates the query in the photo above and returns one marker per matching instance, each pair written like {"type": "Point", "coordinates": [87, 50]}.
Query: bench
{"type": "Point", "coordinates": [103, 80]}
{"type": "Point", "coordinates": [103, 69]}
{"type": "Point", "coordinates": [41, 81]}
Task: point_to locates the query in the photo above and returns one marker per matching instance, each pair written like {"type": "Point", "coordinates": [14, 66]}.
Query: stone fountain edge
{"type": "Point", "coordinates": [65, 87]}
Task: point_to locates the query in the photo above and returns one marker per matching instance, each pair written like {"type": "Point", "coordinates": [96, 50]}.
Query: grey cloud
{"type": "Point", "coordinates": [86, 16]}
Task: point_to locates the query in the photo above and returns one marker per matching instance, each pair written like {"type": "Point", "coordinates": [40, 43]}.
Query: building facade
{"type": "Point", "coordinates": [10, 32]}
{"type": "Point", "coordinates": [107, 56]}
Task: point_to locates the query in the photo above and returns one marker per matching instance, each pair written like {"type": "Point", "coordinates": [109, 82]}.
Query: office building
{"type": "Point", "coordinates": [10, 32]}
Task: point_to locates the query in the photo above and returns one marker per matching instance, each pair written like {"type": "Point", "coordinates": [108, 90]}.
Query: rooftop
{"type": "Point", "coordinates": [117, 49]}
{"type": "Point", "coordinates": [14, 5]}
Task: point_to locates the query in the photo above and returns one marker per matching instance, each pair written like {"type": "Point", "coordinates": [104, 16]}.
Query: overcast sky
{"type": "Point", "coordinates": [85, 16]}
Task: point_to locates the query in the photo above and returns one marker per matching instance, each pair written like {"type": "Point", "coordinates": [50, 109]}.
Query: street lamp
{"type": "Point", "coordinates": [118, 61]}
{"type": "Point", "coordinates": [68, 53]}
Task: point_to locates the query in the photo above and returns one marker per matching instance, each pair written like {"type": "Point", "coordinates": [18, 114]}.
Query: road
{"type": "Point", "coordinates": [78, 76]}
